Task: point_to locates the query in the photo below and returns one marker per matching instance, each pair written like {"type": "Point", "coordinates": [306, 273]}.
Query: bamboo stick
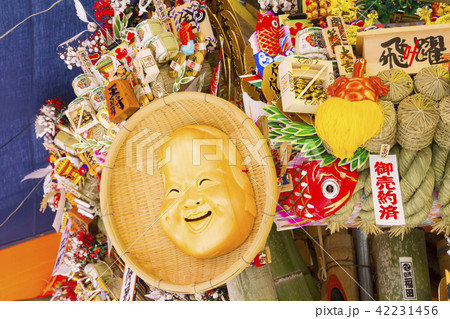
{"type": "Point", "coordinates": [253, 284]}
{"type": "Point", "coordinates": [292, 278]}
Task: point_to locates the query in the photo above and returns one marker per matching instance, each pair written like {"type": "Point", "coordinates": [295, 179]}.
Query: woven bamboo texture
{"type": "Point", "coordinates": [132, 191]}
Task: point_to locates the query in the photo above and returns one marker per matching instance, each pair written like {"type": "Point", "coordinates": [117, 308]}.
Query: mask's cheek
{"type": "Point", "coordinates": [169, 209]}
{"type": "Point", "coordinates": [219, 195]}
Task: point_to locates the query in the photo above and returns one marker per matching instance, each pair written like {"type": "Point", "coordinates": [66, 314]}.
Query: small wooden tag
{"type": "Point", "coordinates": [332, 38]}
{"type": "Point", "coordinates": [339, 23]}
{"type": "Point", "coordinates": [85, 62]}
{"type": "Point", "coordinates": [160, 10]}
{"type": "Point", "coordinates": [345, 59]}
{"type": "Point", "coordinates": [384, 151]}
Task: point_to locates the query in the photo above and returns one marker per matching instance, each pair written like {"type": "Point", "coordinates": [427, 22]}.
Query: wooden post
{"type": "Point", "coordinates": [443, 248]}
{"type": "Point", "coordinates": [388, 253]}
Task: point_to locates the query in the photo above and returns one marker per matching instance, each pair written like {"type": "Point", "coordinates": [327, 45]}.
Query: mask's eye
{"type": "Point", "coordinates": [173, 193]}
{"type": "Point", "coordinates": [330, 188]}
{"type": "Point", "coordinates": [275, 24]}
{"type": "Point", "coordinates": [205, 182]}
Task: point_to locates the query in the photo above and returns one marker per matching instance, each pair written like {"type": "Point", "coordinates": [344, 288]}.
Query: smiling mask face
{"type": "Point", "coordinates": [208, 208]}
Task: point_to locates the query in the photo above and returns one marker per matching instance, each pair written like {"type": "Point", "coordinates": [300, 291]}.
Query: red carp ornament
{"type": "Point", "coordinates": [319, 192]}
{"type": "Point", "coordinates": [270, 42]}
{"type": "Point", "coordinates": [269, 33]}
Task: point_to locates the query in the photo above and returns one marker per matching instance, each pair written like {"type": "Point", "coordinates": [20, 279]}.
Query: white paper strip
{"type": "Point", "coordinates": [387, 198]}
{"type": "Point", "coordinates": [62, 247]}
{"type": "Point", "coordinates": [128, 285]}
{"type": "Point", "coordinates": [253, 108]}
{"type": "Point", "coordinates": [85, 213]}
{"type": "Point", "coordinates": [82, 203]}
{"type": "Point", "coordinates": [59, 213]}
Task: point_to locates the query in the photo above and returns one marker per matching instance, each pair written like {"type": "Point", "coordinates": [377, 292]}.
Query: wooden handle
{"type": "Point", "coordinates": [263, 125]}
{"type": "Point", "coordinates": [284, 155]}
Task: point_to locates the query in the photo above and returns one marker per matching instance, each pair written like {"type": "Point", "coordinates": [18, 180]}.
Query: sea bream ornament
{"type": "Point", "coordinates": [319, 192]}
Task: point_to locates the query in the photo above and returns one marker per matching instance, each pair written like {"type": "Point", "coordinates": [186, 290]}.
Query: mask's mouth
{"type": "Point", "coordinates": [195, 219]}
{"type": "Point", "coordinates": [198, 221]}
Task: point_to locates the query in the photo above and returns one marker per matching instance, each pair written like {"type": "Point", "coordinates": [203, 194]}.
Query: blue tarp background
{"type": "Point", "coordinates": [32, 72]}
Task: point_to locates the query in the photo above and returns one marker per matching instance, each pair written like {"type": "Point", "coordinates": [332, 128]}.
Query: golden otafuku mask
{"type": "Point", "coordinates": [208, 208]}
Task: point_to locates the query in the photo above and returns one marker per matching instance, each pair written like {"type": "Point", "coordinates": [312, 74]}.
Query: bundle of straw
{"type": "Point", "coordinates": [164, 83]}
{"type": "Point", "coordinates": [442, 225]}
{"type": "Point", "coordinates": [400, 84]}
{"type": "Point", "coordinates": [442, 136]}
{"type": "Point", "coordinates": [417, 120]}
{"type": "Point", "coordinates": [444, 109]}
{"type": "Point", "coordinates": [433, 81]}
{"type": "Point", "coordinates": [389, 130]}
{"type": "Point", "coordinates": [98, 131]}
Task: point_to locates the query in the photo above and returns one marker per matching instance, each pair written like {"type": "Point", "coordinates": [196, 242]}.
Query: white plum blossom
{"type": "Point", "coordinates": [120, 5]}
{"type": "Point", "coordinates": [278, 6]}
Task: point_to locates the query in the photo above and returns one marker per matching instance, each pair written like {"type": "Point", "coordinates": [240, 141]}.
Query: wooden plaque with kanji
{"type": "Point", "coordinates": [120, 100]}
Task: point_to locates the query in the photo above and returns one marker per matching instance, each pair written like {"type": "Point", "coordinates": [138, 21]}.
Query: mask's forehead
{"type": "Point", "coordinates": [187, 166]}
{"type": "Point", "coordinates": [193, 153]}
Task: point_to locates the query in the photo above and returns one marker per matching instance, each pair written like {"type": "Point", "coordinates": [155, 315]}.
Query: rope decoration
{"type": "Point", "coordinates": [400, 84]}
{"type": "Point", "coordinates": [417, 120]}
{"type": "Point", "coordinates": [443, 224]}
{"type": "Point", "coordinates": [30, 16]}
{"type": "Point", "coordinates": [416, 183]}
{"type": "Point", "coordinates": [192, 8]}
{"type": "Point", "coordinates": [433, 81]}
{"type": "Point", "coordinates": [388, 132]}
{"type": "Point", "coordinates": [336, 222]}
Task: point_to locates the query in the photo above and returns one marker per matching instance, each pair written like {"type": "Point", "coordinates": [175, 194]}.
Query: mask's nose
{"type": "Point", "coordinates": [192, 203]}
{"type": "Point", "coordinates": [192, 199]}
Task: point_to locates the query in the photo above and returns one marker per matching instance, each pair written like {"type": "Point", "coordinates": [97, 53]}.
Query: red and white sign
{"type": "Point", "coordinates": [199, 46]}
{"type": "Point", "coordinates": [174, 65]}
{"type": "Point", "coordinates": [387, 197]}
{"type": "Point", "coordinates": [195, 66]}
